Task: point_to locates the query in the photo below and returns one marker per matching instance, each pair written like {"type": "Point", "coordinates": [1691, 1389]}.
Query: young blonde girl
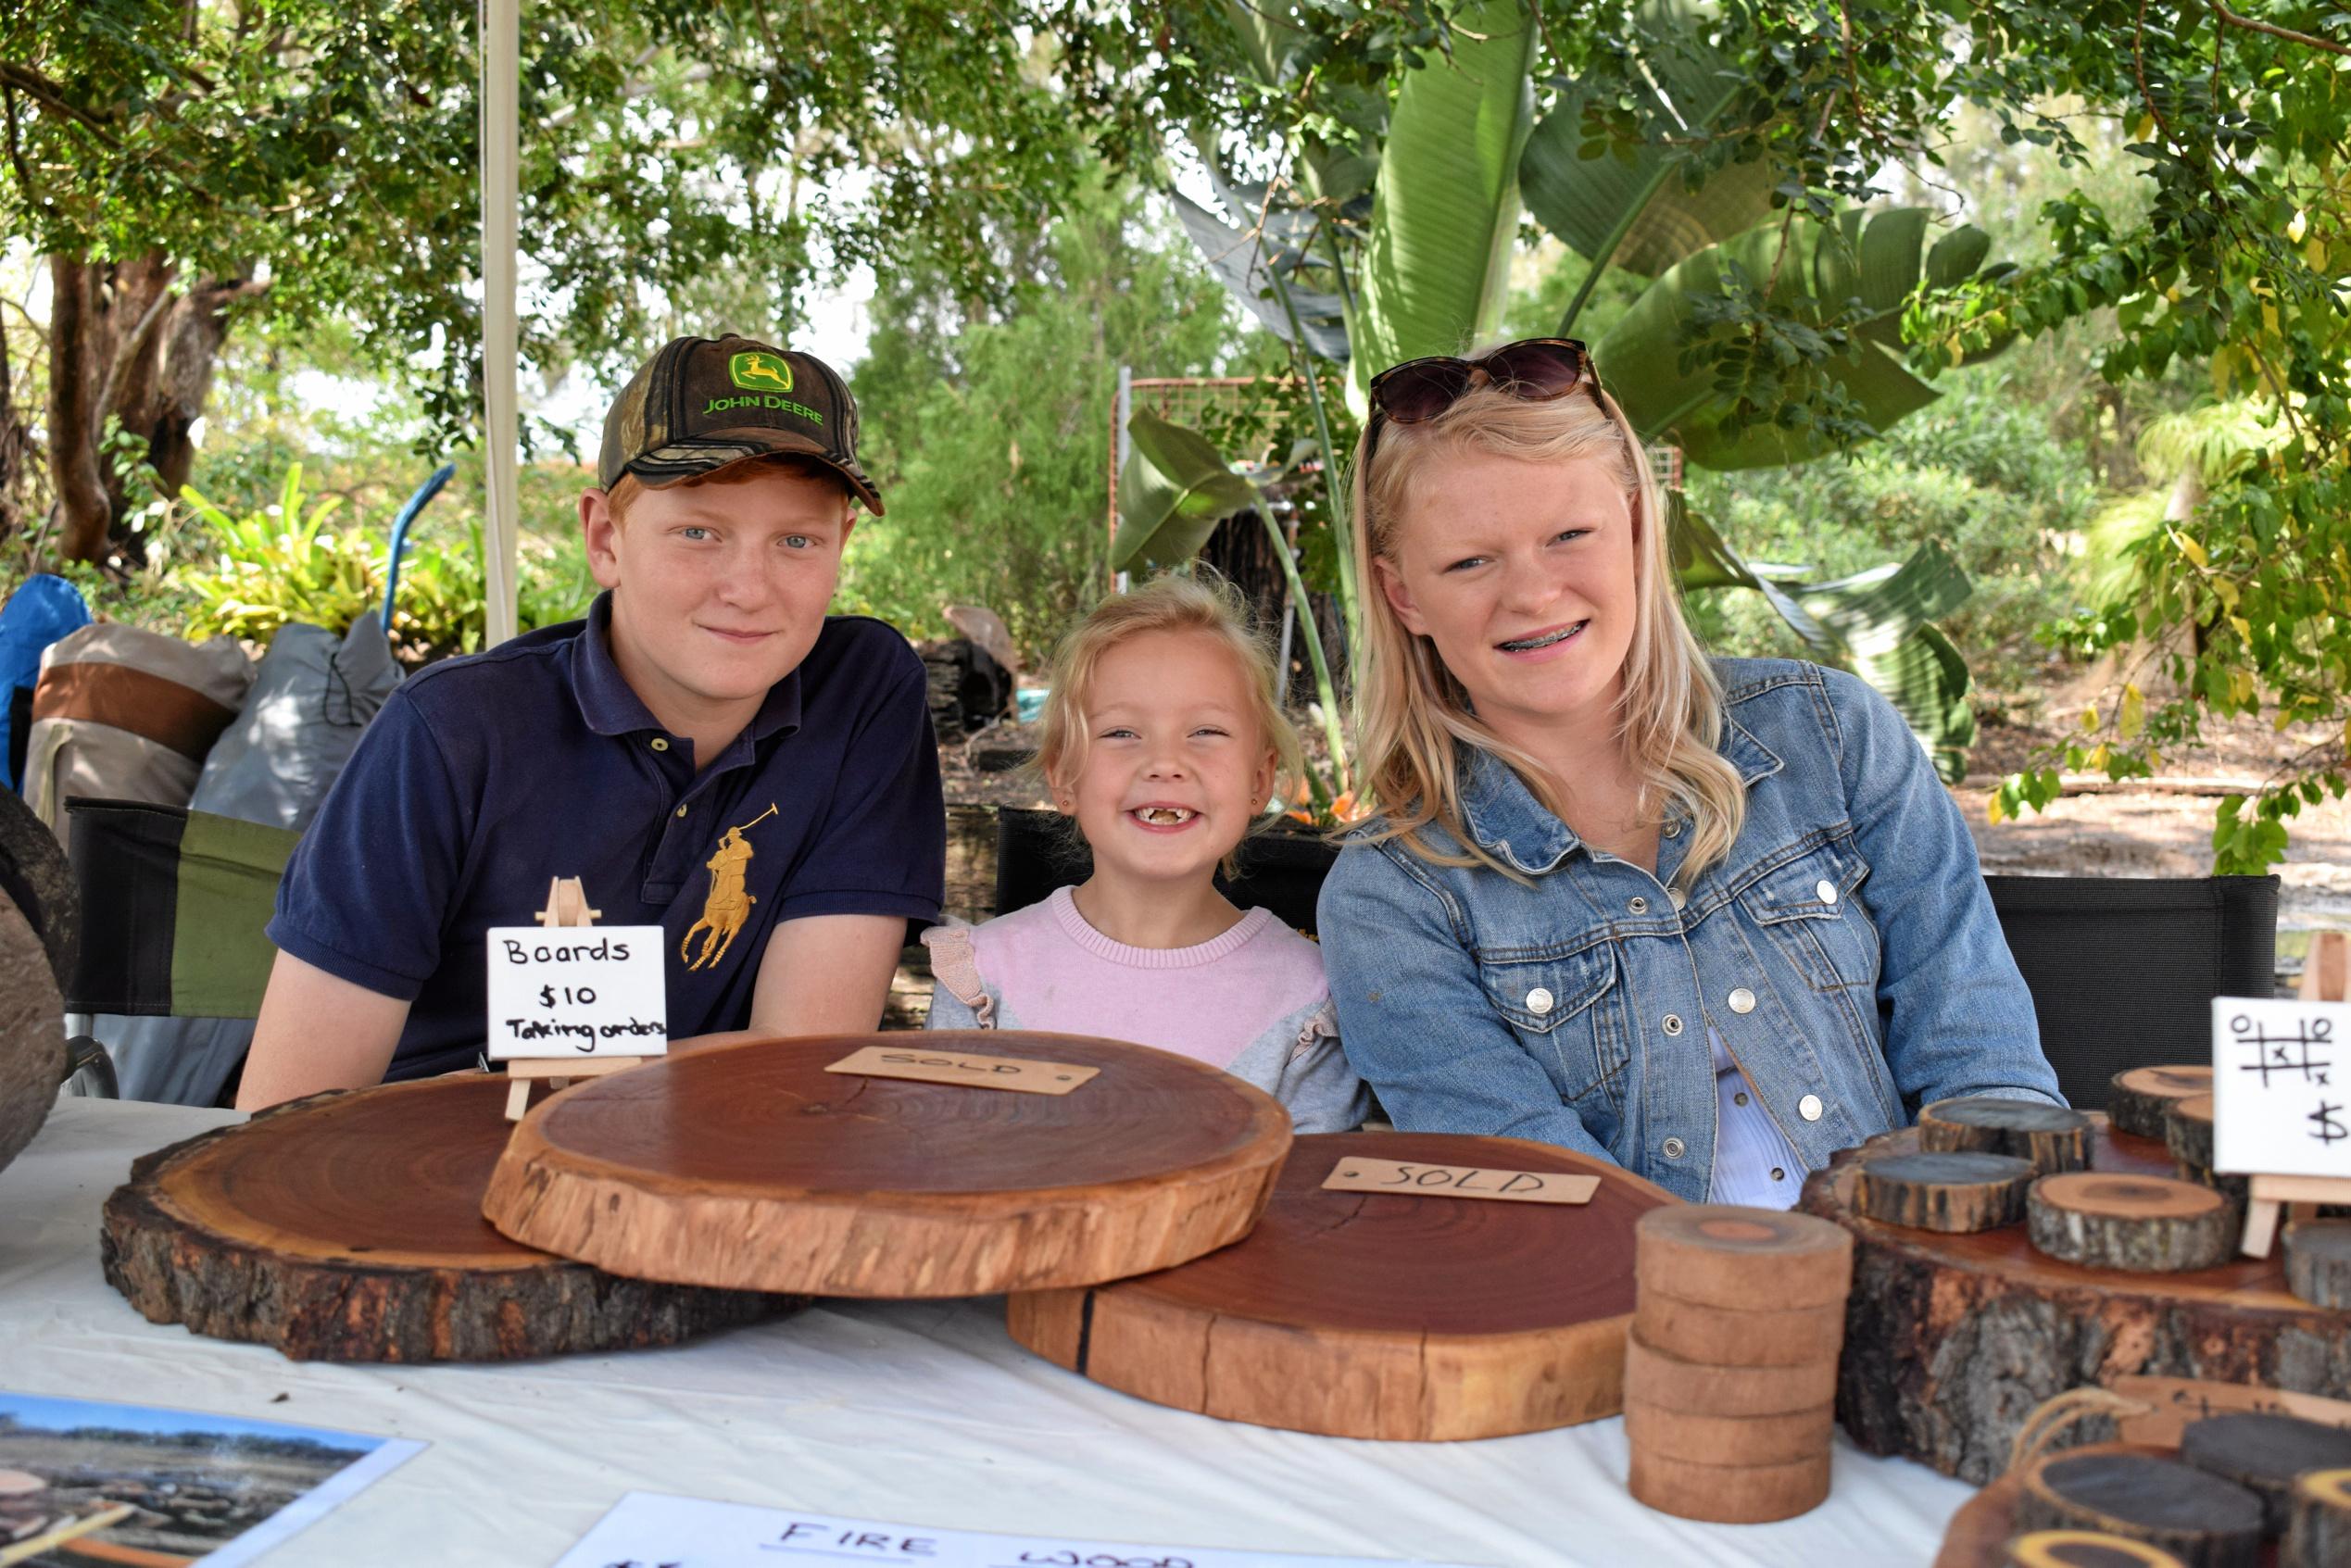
{"type": "Point", "coordinates": [1163, 740]}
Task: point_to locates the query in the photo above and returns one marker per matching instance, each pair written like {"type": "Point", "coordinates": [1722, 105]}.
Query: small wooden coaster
{"type": "Point", "coordinates": [2318, 1261]}
{"type": "Point", "coordinates": [2137, 1100]}
{"type": "Point", "coordinates": [1958, 1194]}
{"type": "Point", "coordinates": [1727, 1494]}
{"type": "Point", "coordinates": [2205, 1521]}
{"type": "Point", "coordinates": [1720, 1255]}
{"type": "Point", "coordinates": [1665, 1382]}
{"type": "Point", "coordinates": [2054, 1138]}
{"type": "Point", "coordinates": [2187, 1134]}
{"type": "Point", "coordinates": [1689, 1331]}
{"type": "Point", "coordinates": [2320, 1529]}
{"type": "Point", "coordinates": [1709, 1440]}
{"type": "Point", "coordinates": [2264, 1454]}
{"type": "Point", "coordinates": [2084, 1548]}
{"type": "Point", "coordinates": [2144, 1225]}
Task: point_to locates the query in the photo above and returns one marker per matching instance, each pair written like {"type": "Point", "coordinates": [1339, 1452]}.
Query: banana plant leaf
{"type": "Point", "coordinates": [1878, 624]}
{"type": "Point", "coordinates": [1445, 211]}
{"type": "Point", "coordinates": [1174, 491]}
{"type": "Point", "coordinates": [1242, 261]}
{"type": "Point", "coordinates": [1862, 267]}
{"type": "Point", "coordinates": [1633, 207]}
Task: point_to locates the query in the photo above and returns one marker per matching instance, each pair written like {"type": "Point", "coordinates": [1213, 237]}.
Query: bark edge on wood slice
{"type": "Point", "coordinates": [1952, 1340]}
{"type": "Point", "coordinates": [2052, 1137]}
{"type": "Point", "coordinates": [1377, 1315]}
{"type": "Point", "coordinates": [2137, 1098]}
{"type": "Point", "coordinates": [32, 1048]}
{"type": "Point", "coordinates": [1691, 1331]}
{"type": "Point", "coordinates": [1664, 1382]}
{"type": "Point", "coordinates": [2205, 1521]}
{"type": "Point", "coordinates": [2319, 1533]}
{"type": "Point", "coordinates": [347, 1226]}
{"type": "Point", "coordinates": [1730, 1494]}
{"type": "Point", "coordinates": [2084, 1548]}
{"type": "Point", "coordinates": [838, 1184]}
{"type": "Point", "coordinates": [2187, 1133]}
{"type": "Point", "coordinates": [2318, 1261]}
{"type": "Point", "coordinates": [1954, 1192]}
{"type": "Point", "coordinates": [2143, 1225]}
{"type": "Point", "coordinates": [1758, 1259]}
{"type": "Point", "coordinates": [2264, 1454]}
{"type": "Point", "coordinates": [1746, 1440]}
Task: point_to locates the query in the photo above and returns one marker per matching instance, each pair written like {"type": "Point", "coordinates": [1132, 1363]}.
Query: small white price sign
{"type": "Point", "coordinates": [2281, 1086]}
{"type": "Point", "coordinates": [577, 990]}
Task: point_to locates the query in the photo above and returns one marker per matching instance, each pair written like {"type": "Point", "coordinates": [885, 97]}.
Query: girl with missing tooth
{"type": "Point", "coordinates": [1161, 739]}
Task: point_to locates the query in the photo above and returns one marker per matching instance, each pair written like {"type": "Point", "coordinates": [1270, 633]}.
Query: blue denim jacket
{"type": "Point", "coordinates": [1845, 949]}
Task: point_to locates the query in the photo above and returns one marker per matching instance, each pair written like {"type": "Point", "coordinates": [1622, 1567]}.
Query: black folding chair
{"type": "Point", "coordinates": [2123, 970]}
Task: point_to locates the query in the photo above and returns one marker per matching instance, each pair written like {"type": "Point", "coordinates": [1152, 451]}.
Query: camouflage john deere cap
{"type": "Point", "coordinates": [704, 404]}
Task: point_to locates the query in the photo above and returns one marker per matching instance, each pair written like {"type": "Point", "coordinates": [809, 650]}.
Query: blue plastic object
{"type": "Point", "coordinates": [1028, 703]}
{"type": "Point", "coordinates": [424, 493]}
{"type": "Point", "coordinates": [44, 608]}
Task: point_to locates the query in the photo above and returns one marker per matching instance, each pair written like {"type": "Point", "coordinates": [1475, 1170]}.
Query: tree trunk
{"type": "Point", "coordinates": [80, 510]}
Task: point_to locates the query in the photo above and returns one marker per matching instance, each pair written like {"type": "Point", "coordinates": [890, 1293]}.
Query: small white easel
{"type": "Point", "coordinates": [566, 905]}
{"type": "Point", "coordinates": [2326, 977]}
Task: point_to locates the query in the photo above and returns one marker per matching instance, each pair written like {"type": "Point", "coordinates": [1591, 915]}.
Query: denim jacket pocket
{"type": "Point", "coordinates": [1563, 1011]}
{"type": "Point", "coordinates": [1809, 909]}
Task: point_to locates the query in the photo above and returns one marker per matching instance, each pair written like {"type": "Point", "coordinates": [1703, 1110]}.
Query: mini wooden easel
{"type": "Point", "coordinates": [566, 905]}
{"type": "Point", "coordinates": [2326, 977]}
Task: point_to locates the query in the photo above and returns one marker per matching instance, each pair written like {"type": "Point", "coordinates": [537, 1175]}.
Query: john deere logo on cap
{"type": "Point", "coordinates": [757, 369]}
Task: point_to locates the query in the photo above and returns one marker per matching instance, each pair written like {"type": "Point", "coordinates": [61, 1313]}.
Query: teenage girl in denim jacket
{"type": "Point", "coordinates": [1711, 919]}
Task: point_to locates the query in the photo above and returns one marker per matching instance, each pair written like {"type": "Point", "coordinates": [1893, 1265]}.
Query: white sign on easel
{"type": "Point", "coordinates": [2282, 1100]}
{"type": "Point", "coordinates": [569, 998]}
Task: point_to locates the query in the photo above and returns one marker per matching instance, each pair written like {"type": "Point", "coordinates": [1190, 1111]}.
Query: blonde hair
{"type": "Point", "coordinates": [1204, 603]}
{"type": "Point", "coordinates": [1411, 713]}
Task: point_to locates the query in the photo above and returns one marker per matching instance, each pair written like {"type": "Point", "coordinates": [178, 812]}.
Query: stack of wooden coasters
{"type": "Point", "coordinates": [1730, 1372]}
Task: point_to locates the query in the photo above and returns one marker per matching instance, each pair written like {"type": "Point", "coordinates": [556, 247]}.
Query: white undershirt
{"type": "Point", "coordinates": [1753, 1163]}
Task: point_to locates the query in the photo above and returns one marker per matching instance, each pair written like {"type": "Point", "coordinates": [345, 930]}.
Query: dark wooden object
{"type": "Point", "coordinates": [348, 1227]}
{"type": "Point", "coordinates": [32, 1052]}
{"type": "Point", "coordinates": [2140, 1097]}
{"type": "Point", "coordinates": [2319, 1533]}
{"type": "Point", "coordinates": [2203, 1520]}
{"type": "Point", "coordinates": [1945, 1192]}
{"type": "Point", "coordinates": [2318, 1261]}
{"type": "Point", "coordinates": [750, 1166]}
{"type": "Point", "coordinates": [1952, 1340]}
{"type": "Point", "coordinates": [2052, 1137]}
{"type": "Point", "coordinates": [2264, 1454]}
{"type": "Point", "coordinates": [2083, 1549]}
{"type": "Point", "coordinates": [1368, 1314]}
{"type": "Point", "coordinates": [2146, 1224]}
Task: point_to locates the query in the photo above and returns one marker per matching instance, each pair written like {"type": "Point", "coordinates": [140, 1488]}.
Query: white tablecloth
{"type": "Point", "coordinates": [919, 1412]}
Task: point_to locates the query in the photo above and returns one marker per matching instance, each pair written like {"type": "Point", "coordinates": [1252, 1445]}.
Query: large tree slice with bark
{"type": "Point", "coordinates": [32, 1052]}
{"type": "Point", "coordinates": [1951, 1340]}
{"type": "Point", "coordinates": [1367, 1314]}
{"type": "Point", "coordinates": [348, 1227]}
{"type": "Point", "coordinates": [751, 1166]}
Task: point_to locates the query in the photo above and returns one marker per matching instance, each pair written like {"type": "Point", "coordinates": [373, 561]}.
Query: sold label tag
{"type": "Point", "coordinates": [1355, 1173]}
{"type": "Point", "coordinates": [1012, 1073]}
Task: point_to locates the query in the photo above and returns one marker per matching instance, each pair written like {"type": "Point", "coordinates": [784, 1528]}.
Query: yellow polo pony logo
{"type": "Point", "coordinates": [729, 904]}
{"type": "Point", "coordinates": [753, 369]}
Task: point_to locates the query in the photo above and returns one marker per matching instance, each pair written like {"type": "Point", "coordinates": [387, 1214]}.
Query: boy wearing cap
{"type": "Point", "coordinates": [708, 751]}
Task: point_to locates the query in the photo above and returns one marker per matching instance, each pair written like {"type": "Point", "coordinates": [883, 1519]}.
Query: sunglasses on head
{"type": "Point", "coordinates": [1534, 370]}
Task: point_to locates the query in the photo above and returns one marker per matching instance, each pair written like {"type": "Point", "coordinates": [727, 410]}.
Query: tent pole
{"type": "Point", "coordinates": [502, 76]}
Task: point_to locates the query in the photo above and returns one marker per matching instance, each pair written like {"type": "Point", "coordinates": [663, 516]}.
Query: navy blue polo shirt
{"type": "Point", "coordinates": [484, 777]}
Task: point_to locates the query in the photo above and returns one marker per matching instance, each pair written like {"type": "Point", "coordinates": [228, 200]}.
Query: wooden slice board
{"type": "Point", "coordinates": [1945, 1192]}
{"type": "Point", "coordinates": [2202, 1519]}
{"type": "Point", "coordinates": [750, 1166]}
{"type": "Point", "coordinates": [2051, 1137]}
{"type": "Point", "coordinates": [2138, 1098]}
{"type": "Point", "coordinates": [348, 1227]}
{"type": "Point", "coordinates": [1952, 1339]}
{"type": "Point", "coordinates": [1378, 1315]}
{"type": "Point", "coordinates": [2146, 1224]}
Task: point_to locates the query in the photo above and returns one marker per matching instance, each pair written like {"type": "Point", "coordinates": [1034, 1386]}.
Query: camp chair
{"type": "Point", "coordinates": [174, 904]}
{"type": "Point", "coordinates": [2123, 970]}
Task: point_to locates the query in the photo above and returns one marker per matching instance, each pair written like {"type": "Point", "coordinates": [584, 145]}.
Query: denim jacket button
{"type": "Point", "coordinates": [1672, 1024]}
{"type": "Point", "coordinates": [1809, 1108]}
{"type": "Point", "coordinates": [1678, 897]}
{"type": "Point", "coordinates": [1539, 1000]}
{"type": "Point", "coordinates": [1743, 1000]}
{"type": "Point", "coordinates": [1825, 890]}
{"type": "Point", "coordinates": [1637, 906]}
{"type": "Point", "coordinates": [1674, 1149]}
